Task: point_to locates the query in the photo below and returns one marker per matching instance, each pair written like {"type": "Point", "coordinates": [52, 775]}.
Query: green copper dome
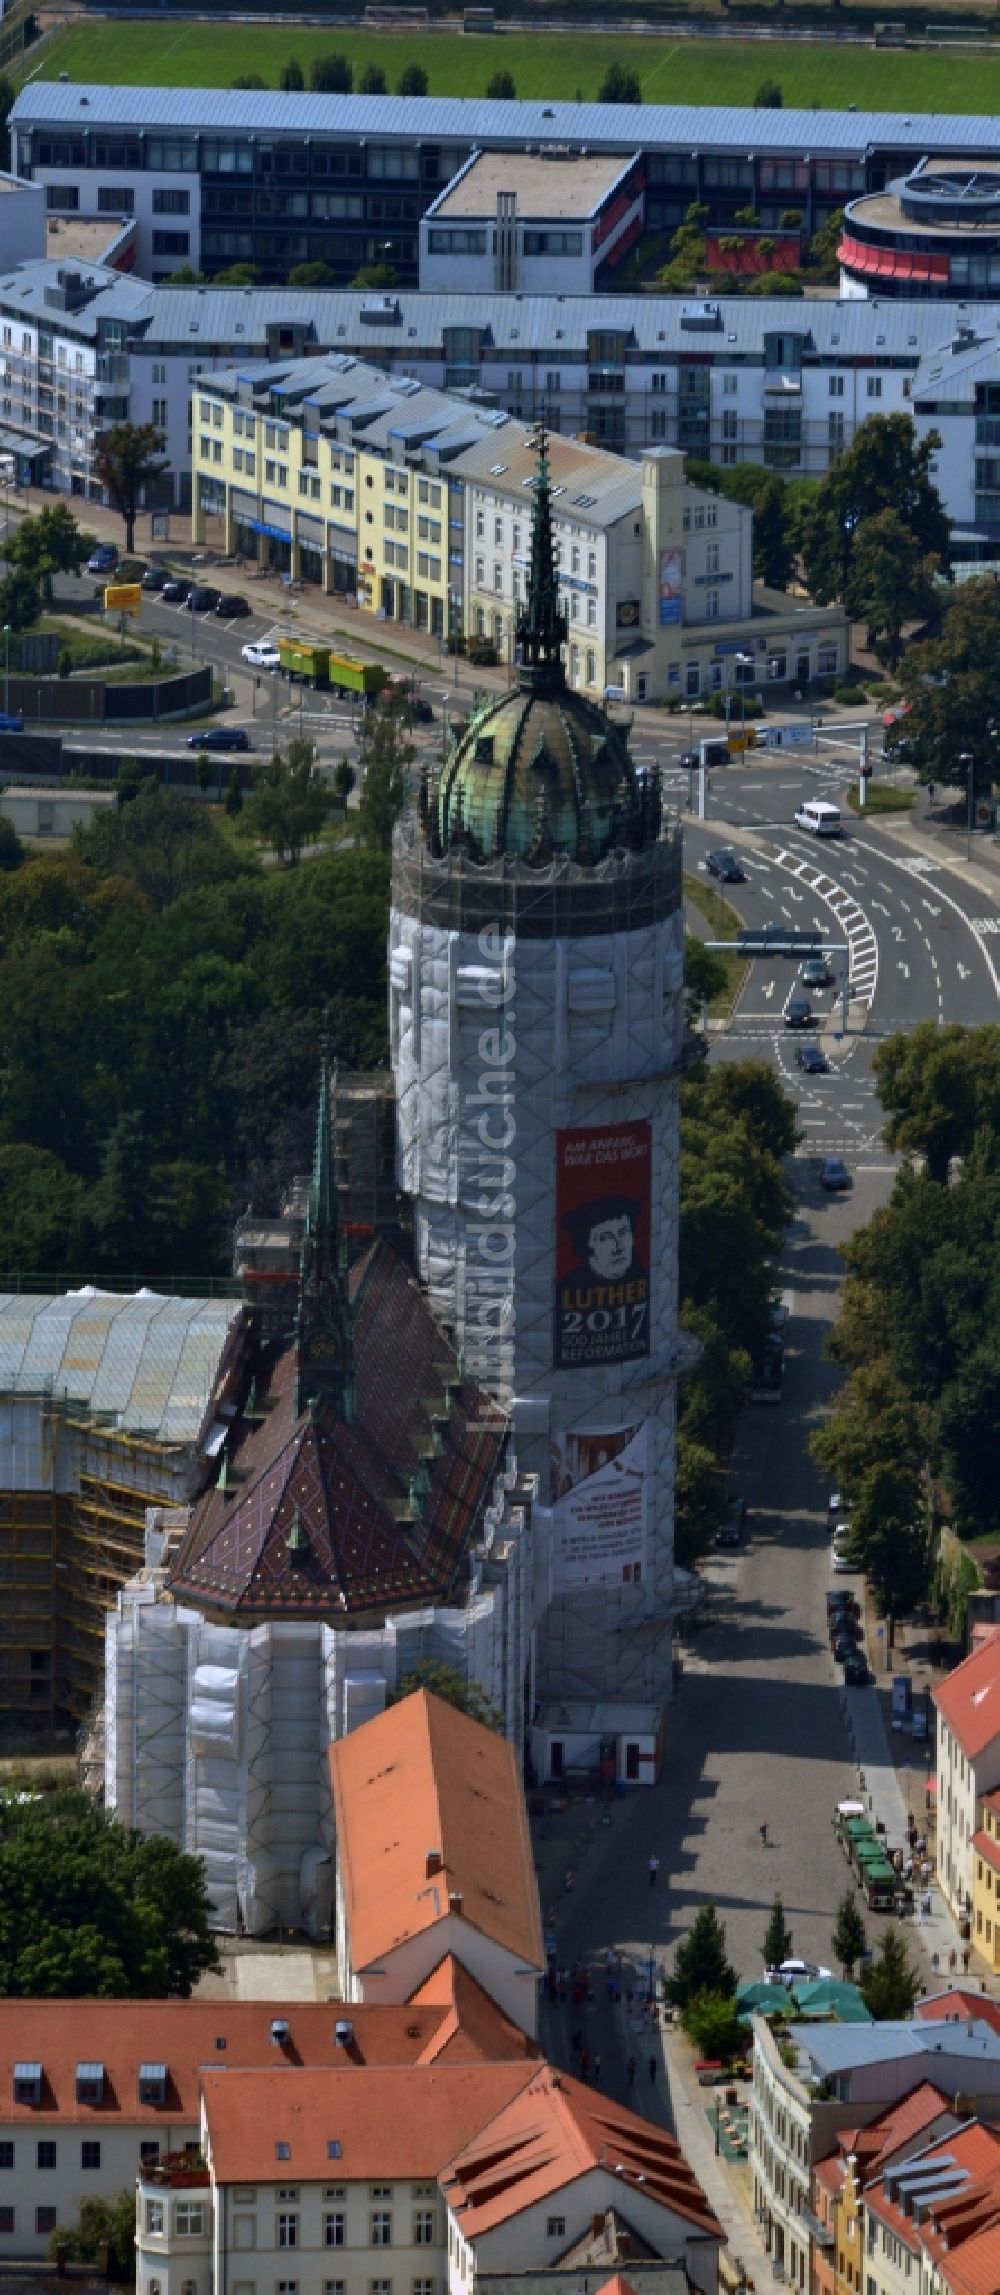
{"type": "Point", "coordinates": [541, 771]}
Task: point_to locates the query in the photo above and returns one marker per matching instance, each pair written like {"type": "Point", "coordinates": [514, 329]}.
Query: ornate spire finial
{"type": "Point", "coordinates": [326, 1362]}
{"type": "Point", "coordinates": [541, 623]}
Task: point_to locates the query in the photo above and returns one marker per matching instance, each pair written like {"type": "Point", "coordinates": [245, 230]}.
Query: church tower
{"type": "Point", "coordinates": [537, 1029]}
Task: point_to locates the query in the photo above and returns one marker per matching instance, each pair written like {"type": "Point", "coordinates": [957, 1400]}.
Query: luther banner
{"type": "Point", "coordinates": [602, 1287]}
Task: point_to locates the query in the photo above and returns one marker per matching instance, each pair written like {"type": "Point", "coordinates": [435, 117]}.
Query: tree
{"type": "Point", "coordinates": [88, 1908]}
{"type": "Point", "coordinates": [310, 275]}
{"type": "Point", "coordinates": [103, 2228]}
{"type": "Point", "coordinates": [239, 275]}
{"type": "Point", "coordinates": [413, 81]}
{"type": "Point", "coordinates": [768, 97]}
{"type": "Point", "coordinates": [234, 794]}
{"type": "Point", "coordinates": [700, 1963]}
{"type": "Point", "coordinates": [376, 275]}
{"type": "Point", "coordinates": [288, 805]}
{"type": "Point", "coordinates": [373, 81]}
{"type": "Point", "coordinates": [387, 755]}
{"type": "Point", "coordinates": [248, 80]}
{"type": "Point", "coordinates": [748, 216]}
{"type": "Point", "coordinates": [773, 556]}
{"type": "Point", "coordinates": [687, 249]}
{"type": "Point", "coordinates": [500, 89]}
{"type": "Point", "coordinates": [889, 581]}
{"type": "Point", "coordinates": [51, 543]}
{"type": "Point", "coordinates": [714, 2028]}
{"type": "Point", "coordinates": [619, 86]}
{"type": "Point", "coordinates": [697, 1499]}
{"type": "Point", "coordinates": [823, 256]}
{"type": "Point", "coordinates": [777, 1944]}
{"type": "Point", "coordinates": [162, 843]}
{"type": "Point", "coordinates": [11, 848]}
{"type": "Point", "coordinates": [291, 77]}
{"type": "Point", "coordinates": [344, 779]}
{"type": "Point", "coordinates": [43, 1211]}
{"type": "Point", "coordinates": [127, 459]}
{"type": "Point", "coordinates": [890, 1983]}
{"type": "Point", "coordinates": [849, 1941]}
{"type": "Point", "coordinates": [951, 683]}
{"type": "Point", "coordinates": [886, 468]}
{"type": "Point", "coordinates": [20, 600]}
{"type": "Point", "coordinates": [331, 75]}
{"type": "Point", "coordinates": [446, 1682]}
{"type": "Point", "coordinates": [704, 976]}
{"type": "Point", "coordinates": [939, 1087]}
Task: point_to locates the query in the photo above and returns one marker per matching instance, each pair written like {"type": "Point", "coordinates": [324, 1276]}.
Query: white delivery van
{"type": "Point", "coordinates": [821, 819]}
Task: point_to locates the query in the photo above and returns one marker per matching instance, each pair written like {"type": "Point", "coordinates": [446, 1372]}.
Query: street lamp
{"type": "Point", "coordinates": [6, 669]}
{"type": "Point", "coordinates": [968, 761]}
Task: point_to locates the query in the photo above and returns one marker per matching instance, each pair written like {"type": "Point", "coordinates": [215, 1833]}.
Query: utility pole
{"type": "Point", "coordinates": [968, 761]}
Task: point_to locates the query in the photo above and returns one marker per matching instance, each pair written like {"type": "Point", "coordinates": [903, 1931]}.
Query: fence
{"type": "Point", "coordinates": [90, 700]}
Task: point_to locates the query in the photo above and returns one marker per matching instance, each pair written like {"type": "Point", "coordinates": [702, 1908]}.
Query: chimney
{"type": "Point", "coordinates": [455, 1902]}
{"type": "Point", "coordinates": [433, 1862]}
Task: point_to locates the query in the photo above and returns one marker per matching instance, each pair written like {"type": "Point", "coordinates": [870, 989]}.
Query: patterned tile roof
{"type": "Point", "coordinates": [323, 1520]}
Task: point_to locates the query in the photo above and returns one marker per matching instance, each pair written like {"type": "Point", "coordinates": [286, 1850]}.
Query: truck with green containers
{"type": "Point", "coordinates": [332, 672]}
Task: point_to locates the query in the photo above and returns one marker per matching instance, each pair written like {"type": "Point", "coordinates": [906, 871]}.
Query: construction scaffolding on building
{"type": "Point", "coordinates": [107, 1406]}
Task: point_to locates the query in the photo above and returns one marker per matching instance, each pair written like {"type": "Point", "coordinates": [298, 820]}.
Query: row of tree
{"type": "Point", "coordinates": [703, 1982]}
{"type": "Point", "coordinates": [333, 75]}
{"type": "Point", "coordinates": [913, 1429]}
{"type": "Point", "coordinates": [737, 1126]}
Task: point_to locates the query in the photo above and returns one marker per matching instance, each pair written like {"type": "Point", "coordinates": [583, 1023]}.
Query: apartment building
{"type": "Point", "coordinates": [93, 2092]}
{"type": "Point", "coordinates": [839, 2181]}
{"type": "Point", "coordinates": [798, 2109]}
{"type": "Point", "coordinates": [434, 1858]}
{"type": "Point", "coordinates": [340, 475]}
{"type": "Point", "coordinates": [409, 2180]}
{"type": "Point", "coordinates": [921, 2210]}
{"type": "Point", "coordinates": [215, 176]}
{"type": "Point", "coordinates": [968, 1768]}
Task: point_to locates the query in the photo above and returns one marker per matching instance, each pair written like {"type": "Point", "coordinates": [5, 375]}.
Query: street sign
{"type": "Point", "coordinates": [123, 598]}
{"type": "Point", "coordinates": [779, 940]}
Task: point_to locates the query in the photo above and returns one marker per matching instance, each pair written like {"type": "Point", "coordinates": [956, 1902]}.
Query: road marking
{"type": "Point", "coordinates": [985, 923]}
{"type": "Point", "coordinates": [964, 972]}
{"type": "Point", "coordinates": [974, 925]}
{"type": "Point", "coordinates": [903, 968]}
{"type": "Point", "coordinates": [933, 907]}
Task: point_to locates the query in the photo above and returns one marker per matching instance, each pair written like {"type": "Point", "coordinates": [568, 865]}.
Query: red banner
{"type": "Point", "coordinates": [603, 1239]}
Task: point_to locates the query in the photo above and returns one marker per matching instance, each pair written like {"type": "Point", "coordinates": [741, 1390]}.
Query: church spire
{"type": "Point", "coordinates": [541, 626]}
{"type": "Point", "coordinates": [325, 1349]}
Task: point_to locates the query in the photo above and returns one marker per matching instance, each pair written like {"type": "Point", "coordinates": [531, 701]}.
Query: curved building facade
{"type": "Point", "coordinates": [537, 1027]}
{"type": "Point", "coordinates": [931, 235]}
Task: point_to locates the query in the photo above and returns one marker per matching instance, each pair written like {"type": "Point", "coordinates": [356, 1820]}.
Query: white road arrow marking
{"type": "Point", "coordinates": [903, 968]}
{"type": "Point", "coordinates": [768, 988]}
{"type": "Point", "coordinates": [964, 972]}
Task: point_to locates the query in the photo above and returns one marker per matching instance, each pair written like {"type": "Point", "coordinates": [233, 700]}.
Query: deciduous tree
{"type": "Point", "coordinates": [886, 468]}
{"type": "Point", "coordinates": [952, 687]}
{"type": "Point", "coordinates": [89, 1907]}
{"type": "Point", "coordinates": [890, 581]}
{"type": "Point", "coordinates": [127, 458]}
{"type": "Point", "coordinates": [387, 755]}
{"type": "Point", "coordinates": [289, 803]}
{"type": "Point", "coordinates": [103, 2236]}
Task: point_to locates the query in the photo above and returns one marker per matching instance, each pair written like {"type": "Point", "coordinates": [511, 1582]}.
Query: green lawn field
{"type": "Point", "coordinates": [547, 64]}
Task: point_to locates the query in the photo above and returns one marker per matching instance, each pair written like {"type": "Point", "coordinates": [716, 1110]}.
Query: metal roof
{"type": "Point", "coordinates": [845, 2047]}
{"type": "Point", "coordinates": [475, 120]}
{"type": "Point", "coordinates": [145, 1364]}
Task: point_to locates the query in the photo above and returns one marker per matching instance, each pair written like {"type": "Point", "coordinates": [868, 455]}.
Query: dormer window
{"type": "Point", "coordinates": [27, 2083]}
{"type": "Point", "coordinates": [152, 2083]}
{"type": "Point", "coordinates": [90, 2083]}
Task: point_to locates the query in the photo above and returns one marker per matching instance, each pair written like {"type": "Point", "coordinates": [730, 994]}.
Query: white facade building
{"type": "Point", "coordinates": [968, 1765]}
{"type": "Point", "coordinates": [538, 223]}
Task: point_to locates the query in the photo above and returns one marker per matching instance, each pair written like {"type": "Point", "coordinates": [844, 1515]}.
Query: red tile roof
{"type": "Point", "coordinates": [554, 2130]}
{"type": "Point", "coordinates": [974, 2147]}
{"type": "Point", "coordinates": [185, 2036]}
{"type": "Point", "coordinates": [390, 2124]}
{"type": "Point", "coordinates": [975, 2269]}
{"type": "Point", "coordinates": [617, 2286]}
{"type": "Point", "coordinates": [423, 1777]}
{"type": "Point", "coordinates": [368, 1540]}
{"type": "Point", "coordinates": [987, 1847]}
{"type": "Point", "coordinates": [958, 2004]}
{"type": "Point", "coordinates": [875, 2145]}
{"type": "Point", "coordinates": [968, 1700]}
{"type": "Point", "coordinates": [472, 2026]}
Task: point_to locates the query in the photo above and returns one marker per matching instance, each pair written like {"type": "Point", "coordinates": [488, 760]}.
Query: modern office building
{"type": "Point", "coordinates": [215, 176]}
{"type": "Point", "coordinates": [933, 234]}
{"type": "Point", "coordinates": [417, 504]}
{"type": "Point", "coordinates": [543, 223]}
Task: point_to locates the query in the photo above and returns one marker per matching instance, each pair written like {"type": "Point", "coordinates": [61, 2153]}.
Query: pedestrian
{"type": "Point", "coordinates": [652, 2071]}
{"type": "Point", "coordinates": [953, 1960]}
{"type": "Point", "coordinates": [763, 1836]}
{"type": "Point", "coordinates": [597, 2068]}
{"type": "Point", "coordinates": [935, 1963]}
{"type": "Point", "coordinates": [965, 1961]}
{"type": "Point", "coordinates": [630, 2069]}
{"type": "Point", "coordinates": [653, 1868]}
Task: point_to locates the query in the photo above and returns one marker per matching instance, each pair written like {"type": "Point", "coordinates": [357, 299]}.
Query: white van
{"type": "Point", "coordinates": [821, 819]}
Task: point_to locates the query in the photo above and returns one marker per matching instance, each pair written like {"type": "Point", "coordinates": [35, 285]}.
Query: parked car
{"type": "Point", "coordinates": [798, 1012]}
{"type": "Point", "coordinates": [834, 1175]}
{"type": "Point", "coordinates": [841, 1598]}
{"type": "Point", "coordinates": [811, 1060]}
{"type": "Point", "coordinates": [842, 1564]}
{"type": "Point", "coordinates": [220, 737]}
{"type": "Point", "coordinates": [843, 1646]}
{"type": "Point", "coordinates": [233, 609]}
{"type": "Point", "coordinates": [732, 1531]}
{"type": "Point", "coordinates": [845, 1625]}
{"type": "Point", "coordinates": [261, 653]}
{"type": "Point", "coordinates": [856, 1674]}
{"type": "Point", "coordinates": [202, 599]}
{"type": "Point", "coordinates": [726, 867]}
{"type": "Point", "coordinates": [155, 578]}
{"type": "Point", "coordinates": [174, 592]}
{"type": "Point", "coordinates": [797, 1972]}
{"type": "Point", "coordinates": [817, 972]}
{"type": "Point", "coordinates": [838, 1502]}
{"type": "Point", "coordinates": [103, 559]}
{"type": "Point", "coordinates": [9, 723]}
